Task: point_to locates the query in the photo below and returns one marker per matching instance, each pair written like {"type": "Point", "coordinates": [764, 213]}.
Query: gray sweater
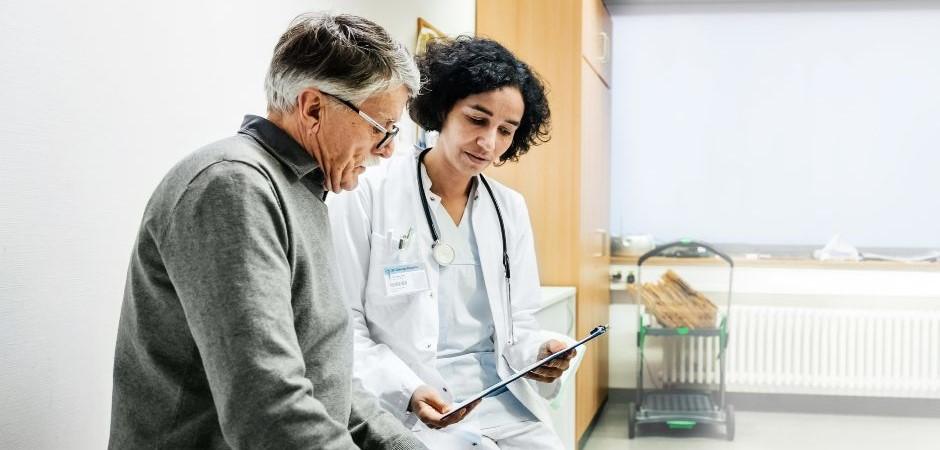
{"type": "Point", "coordinates": [233, 331]}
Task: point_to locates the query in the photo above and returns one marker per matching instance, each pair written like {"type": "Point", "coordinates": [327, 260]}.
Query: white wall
{"type": "Point", "coordinates": [97, 101]}
{"type": "Point", "coordinates": [780, 122]}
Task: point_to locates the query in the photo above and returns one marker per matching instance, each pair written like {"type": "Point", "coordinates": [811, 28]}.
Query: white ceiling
{"type": "Point", "coordinates": [679, 2]}
{"type": "Point", "coordinates": [617, 7]}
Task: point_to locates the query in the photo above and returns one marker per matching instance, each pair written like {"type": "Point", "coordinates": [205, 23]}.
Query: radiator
{"type": "Point", "coordinates": [886, 353]}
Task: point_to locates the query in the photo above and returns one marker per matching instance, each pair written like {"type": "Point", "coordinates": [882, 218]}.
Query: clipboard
{"type": "Point", "coordinates": [501, 387]}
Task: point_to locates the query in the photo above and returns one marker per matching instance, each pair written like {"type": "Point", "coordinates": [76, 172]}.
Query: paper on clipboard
{"type": "Point", "coordinates": [501, 387]}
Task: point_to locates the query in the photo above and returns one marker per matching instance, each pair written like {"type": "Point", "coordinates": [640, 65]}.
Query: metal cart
{"type": "Point", "coordinates": [682, 408]}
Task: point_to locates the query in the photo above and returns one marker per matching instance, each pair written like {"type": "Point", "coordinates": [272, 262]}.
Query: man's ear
{"type": "Point", "coordinates": [310, 104]}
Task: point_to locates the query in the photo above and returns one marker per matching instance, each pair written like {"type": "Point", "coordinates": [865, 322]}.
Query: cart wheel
{"type": "Point", "coordinates": [631, 420]}
{"type": "Point", "coordinates": [729, 422]}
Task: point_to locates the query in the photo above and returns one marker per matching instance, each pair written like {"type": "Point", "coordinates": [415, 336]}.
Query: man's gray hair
{"type": "Point", "coordinates": [344, 55]}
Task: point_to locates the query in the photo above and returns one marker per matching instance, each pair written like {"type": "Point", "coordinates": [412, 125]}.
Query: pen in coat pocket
{"type": "Point", "coordinates": [405, 239]}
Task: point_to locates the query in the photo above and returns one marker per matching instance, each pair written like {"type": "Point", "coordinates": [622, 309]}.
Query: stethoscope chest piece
{"type": "Point", "coordinates": [443, 253]}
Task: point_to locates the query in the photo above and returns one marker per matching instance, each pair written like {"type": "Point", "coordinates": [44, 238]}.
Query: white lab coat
{"type": "Point", "coordinates": [396, 338]}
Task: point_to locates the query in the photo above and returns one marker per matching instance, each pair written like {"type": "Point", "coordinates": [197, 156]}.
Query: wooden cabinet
{"type": "Point", "coordinates": [594, 284]}
{"type": "Point", "coordinates": [595, 38]}
{"type": "Point", "coordinates": [566, 182]}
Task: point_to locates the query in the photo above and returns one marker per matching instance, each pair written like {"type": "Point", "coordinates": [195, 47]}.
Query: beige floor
{"type": "Point", "coordinates": [773, 431]}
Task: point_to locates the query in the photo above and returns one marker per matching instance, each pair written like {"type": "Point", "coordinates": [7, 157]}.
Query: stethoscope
{"type": "Point", "coordinates": [444, 253]}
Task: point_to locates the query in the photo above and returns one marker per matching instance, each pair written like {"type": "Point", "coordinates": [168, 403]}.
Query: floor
{"type": "Point", "coordinates": [771, 431]}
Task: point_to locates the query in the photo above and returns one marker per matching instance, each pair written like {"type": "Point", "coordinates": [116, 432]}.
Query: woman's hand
{"type": "Point", "coordinates": [553, 369]}
{"type": "Point", "coordinates": [428, 405]}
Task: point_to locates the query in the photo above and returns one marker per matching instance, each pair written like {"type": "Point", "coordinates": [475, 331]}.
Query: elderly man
{"type": "Point", "coordinates": [233, 331]}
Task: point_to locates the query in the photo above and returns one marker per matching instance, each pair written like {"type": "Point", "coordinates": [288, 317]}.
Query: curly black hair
{"type": "Point", "coordinates": [452, 70]}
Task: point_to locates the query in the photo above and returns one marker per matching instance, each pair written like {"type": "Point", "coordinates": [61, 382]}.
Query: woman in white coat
{"type": "Point", "coordinates": [439, 265]}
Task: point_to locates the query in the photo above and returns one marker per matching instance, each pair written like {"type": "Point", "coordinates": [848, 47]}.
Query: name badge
{"type": "Point", "coordinates": [407, 278]}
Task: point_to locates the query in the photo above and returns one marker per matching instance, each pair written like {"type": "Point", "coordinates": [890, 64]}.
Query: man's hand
{"type": "Point", "coordinates": [553, 369]}
{"type": "Point", "coordinates": [428, 405]}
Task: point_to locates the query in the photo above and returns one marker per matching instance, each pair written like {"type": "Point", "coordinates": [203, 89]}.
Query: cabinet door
{"type": "Point", "coordinates": [595, 37]}
{"type": "Point", "coordinates": [594, 285]}
{"type": "Point", "coordinates": [560, 318]}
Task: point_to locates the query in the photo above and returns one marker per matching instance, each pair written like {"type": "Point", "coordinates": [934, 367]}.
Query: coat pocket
{"type": "Point", "coordinates": [386, 254]}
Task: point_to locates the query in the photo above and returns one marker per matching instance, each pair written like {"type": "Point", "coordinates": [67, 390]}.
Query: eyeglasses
{"type": "Point", "coordinates": [389, 134]}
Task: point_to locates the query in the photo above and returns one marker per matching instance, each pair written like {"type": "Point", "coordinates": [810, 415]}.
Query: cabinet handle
{"type": "Point", "coordinates": [605, 48]}
{"type": "Point", "coordinates": [604, 244]}
{"type": "Point", "coordinates": [571, 332]}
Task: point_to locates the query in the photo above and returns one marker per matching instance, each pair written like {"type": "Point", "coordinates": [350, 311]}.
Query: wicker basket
{"type": "Point", "coordinates": [675, 304]}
